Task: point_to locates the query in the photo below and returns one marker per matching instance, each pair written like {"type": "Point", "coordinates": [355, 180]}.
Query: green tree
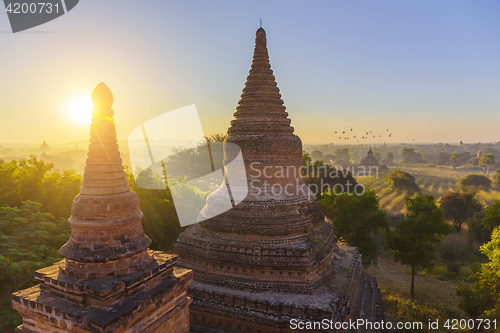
{"type": "Point", "coordinates": [454, 158]}
{"type": "Point", "coordinates": [413, 241]}
{"type": "Point", "coordinates": [403, 181]}
{"type": "Point", "coordinates": [496, 178]}
{"type": "Point", "coordinates": [487, 161]}
{"type": "Point", "coordinates": [458, 207]}
{"type": "Point", "coordinates": [36, 180]}
{"type": "Point", "coordinates": [389, 158]}
{"type": "Point", "coordinates": [410, 156]}
{"type": "Point", "coordinates": [483, 223]}
{"type": "Point", "coordinates": [481, 298]}
{"type": "Point", "coordinates": [329, 158]}
{"type": "Point", "coordinates": [306, 159]}
{"type": "Point", "coordinates": [474, 182]}
{"type": "Point", "coordinates": [316, 154]}
{"type": "Point", "coordinates": [29, 240]}
{"type": "Point", "coordinates": [356, 218]}
{"type": "Point", "coordinates": [342, 156]}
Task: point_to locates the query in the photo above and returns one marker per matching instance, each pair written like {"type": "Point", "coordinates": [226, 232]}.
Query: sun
{"type": "Point", "coordinates": [80, 109]}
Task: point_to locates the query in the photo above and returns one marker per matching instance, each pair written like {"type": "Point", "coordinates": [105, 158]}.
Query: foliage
{"type": "Point", "coordinates": [482, 224]}
{"type": "Point", "coordinates": [306, 159]}
{"type": "Point", "coordinates": [160, 220]}
{"type": "Point", "coordinates": [410, 156]}
{"type": "Point", "coordinates": [403, 181]}
{"type": "Point", "coordinates": [342, 156]}
{"type": "Point", "coordinates": [329, 158]}
{"type": "Point", "coordinates": [482, 297]}
{"type": "Point", "coordinates": [36, 180]}
{"type": "Point", "coordinates": [319, 178]}
{"type": "Point", "coordinates": [459, 207]}
{"type": "Point", "coordinates": [29, 240]}
{"type": "Point", "coordinates": [455, 250]}
{"type": "Point", "coordinates": [316, 154]}
{"type": "Point", "coordinates": [487, 160]}
{"type": "Point", "coordinates": [407, 310]}
{"type": "Point", "coordinates": [475, 181]}
{"type": "Point", "coordinates": [454, 160]}
{"type": "Point", "coordinates": [413, 241]}
{"type": "Point", "coordinates": [356, 218]}
{"type": "Point", "coordinates": [496, 178]}
{"type": "Point", "coordinates": [389, 158]}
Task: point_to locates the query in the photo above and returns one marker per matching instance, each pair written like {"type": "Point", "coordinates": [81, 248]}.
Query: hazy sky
{"type": "Point", "coordinates": [425, 70]}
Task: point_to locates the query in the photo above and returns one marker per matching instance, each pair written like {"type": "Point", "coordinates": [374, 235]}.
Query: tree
{"type": "Point", "coordinates": [487, 161]}
{"type": "Point", "coordinates": [328, 158]}
{"type": "Point", "coordinates": [29, 240]}
{"type": "Point", "coordinates": [403, 181]}
{"type": "Point", "coordinates": [483, 223]}
{"type": "Point", "coordinates": [454, 160]}
{"type": "Point", "coordinates": [481, 299]}
{"type": "Point", "coordinates": [458, 207]}
{"type": "Point", "coordinates": [442, 159]}
{"type": "Point", "coordinates": [306, 159]}
{"type": "Point", "coordinates": [342, 156]}
{"type": "Point", "coordinates": [474, 182]}
{"type": "Point", "coordinates": [316, 154]}
{"type": "Point", "coordinates": [356, 218]}
{"type": "Point", "coordinates": [496, 178]}
{"type": "Point", "coordinates": [410, 156]}
{"type": "Point", "coordinates": [38, 181]}
{"type": "Point", "coordinates": [389, 158]}
{"type": "Point", "coordinates": [319, 178]}
{"type": "Point", "coordinates": [413, 241]}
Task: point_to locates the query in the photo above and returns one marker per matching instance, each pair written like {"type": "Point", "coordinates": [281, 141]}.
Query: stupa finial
{"type": "Point", "coordinates": [102, 97]}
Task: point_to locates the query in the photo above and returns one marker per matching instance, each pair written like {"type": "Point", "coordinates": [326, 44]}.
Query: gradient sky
{"type": "Point", "coordinates": [425, 70]}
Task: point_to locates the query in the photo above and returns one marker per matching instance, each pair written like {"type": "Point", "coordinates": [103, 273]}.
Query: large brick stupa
{"type": "Point", "coordinates": [272, 258]}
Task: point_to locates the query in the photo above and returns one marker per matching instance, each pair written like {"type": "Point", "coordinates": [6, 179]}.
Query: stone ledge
{"type": "Point", "coordinates": [100, 292]}
{"type": "Point", "coordinates": [96, 319]}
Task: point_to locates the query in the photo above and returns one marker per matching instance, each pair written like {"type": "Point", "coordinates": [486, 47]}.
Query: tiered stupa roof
{"type": "Point", "coordinates": [264, 243]}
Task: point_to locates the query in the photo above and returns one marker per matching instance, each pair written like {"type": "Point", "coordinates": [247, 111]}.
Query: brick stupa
{"type": "Point", "coordinates": [108, 281]}
{"type": "Point", "coordinates": [273, 257]}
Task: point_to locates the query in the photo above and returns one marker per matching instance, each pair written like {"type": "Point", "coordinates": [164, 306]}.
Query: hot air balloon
{"type": "Point", "coordinates": [340, 137]}
{"type": "Point", "coordinates": [335, 132]}
{"type": "Point", "coordinates": [366, 132]}
{"type": "Point", "coordinates": [343, 132]}
{"type": "Point", "coordinates": [355, 136]}
{"type": "Point", "coordinates": [387, 130]}
{"type": "Point", "coordinates": [351, 129]}
{"type": "Point", "coordinates": [374, 136]}
{"type": "Point", "coordinates": [370, 132]}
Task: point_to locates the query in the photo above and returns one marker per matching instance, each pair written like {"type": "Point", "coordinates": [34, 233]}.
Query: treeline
{"type": "Point", "coordinates": [431, 233]}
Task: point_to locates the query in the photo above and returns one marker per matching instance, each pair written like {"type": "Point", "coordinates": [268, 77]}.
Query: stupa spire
{"type": "Point", "coordinates": [105, 216]}
{"type": "Point", "coordinates": [260, 108]}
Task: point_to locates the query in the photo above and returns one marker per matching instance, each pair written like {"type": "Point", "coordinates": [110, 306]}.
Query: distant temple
{"type": "Point", "coordinates": [109, 281]}
{"type": "Point", "coordinates": [44, 148]}
{"type": "Point", "coordinates": [272, 258]}
{"type": "Point", "coordinates": [369, 160]}
{"type": "Point", "coordinates": [461, 143]}
{"type": "Point", "coordinates": [479, 153]}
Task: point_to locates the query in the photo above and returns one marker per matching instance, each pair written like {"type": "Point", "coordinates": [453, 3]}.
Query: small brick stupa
{"type": "Point", "coordinates": [272, 258]}
{"type": "Point", "coordinates": [109, 280]}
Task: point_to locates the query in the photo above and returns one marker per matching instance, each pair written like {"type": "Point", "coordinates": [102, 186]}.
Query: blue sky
{"type": "Point", "coordinates": [425, 70]}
